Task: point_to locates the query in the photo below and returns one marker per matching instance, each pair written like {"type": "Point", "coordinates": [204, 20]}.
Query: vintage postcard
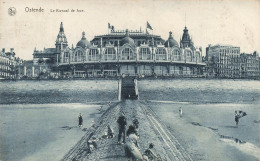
{"type": "Point", "coordinates": [129, 80]}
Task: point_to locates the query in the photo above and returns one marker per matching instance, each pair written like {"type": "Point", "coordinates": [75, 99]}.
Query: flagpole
{"type": "Point", "coordinates": [146, 27]}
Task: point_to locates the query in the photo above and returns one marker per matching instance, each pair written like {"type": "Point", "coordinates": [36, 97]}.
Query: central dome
{"type": "Point", "coordinates": [127, 40]}
{"type": "Point", "coordinates": [83, 42]}
{"type": "Point", "coordinates": [171, 42]}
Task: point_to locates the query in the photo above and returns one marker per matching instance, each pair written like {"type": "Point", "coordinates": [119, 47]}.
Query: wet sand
{"type": "Point", "coordinates": [208, 131]}
{"type": "Point", "coordinates": [42, 131]}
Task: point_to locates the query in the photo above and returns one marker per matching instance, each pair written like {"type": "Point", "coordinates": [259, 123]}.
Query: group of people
{"type": "Point", "coordinates": [130, 139]}
{"type": "Point", "coordinates": [127, 137]}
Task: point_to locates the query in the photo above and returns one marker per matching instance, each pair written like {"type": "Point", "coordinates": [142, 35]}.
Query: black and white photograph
{"type": "Point", "coordinates": [129, 80]}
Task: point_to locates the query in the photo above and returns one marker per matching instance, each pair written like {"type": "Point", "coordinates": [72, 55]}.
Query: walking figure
{"type": "Point", "coordinates": [180, 112]}
{"type": "Point", "coordinates": [101, 108]}
{"type": "Point", "coordinates": [121, 121]}
{"type": "Point", "coordinates": [238, 115]}
{"type": "Point", "coordinates": [80, 120]}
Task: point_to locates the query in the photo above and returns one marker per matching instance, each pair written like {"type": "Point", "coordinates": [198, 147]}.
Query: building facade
{"type": "Point", "coordinates": [223, 61]}
{"type": "Point", "coordinates": [250, 65]}
{"type": "Point", "coordinates": [8, 64]}
{"type": "Point", "coordinates": [51, 55]}
{"type": "Point", "coordinates": [133, 53]}
{"type": "Point", "coordinates": [44, 63]}
{"type": "Point", "coordinates": [124, 52]}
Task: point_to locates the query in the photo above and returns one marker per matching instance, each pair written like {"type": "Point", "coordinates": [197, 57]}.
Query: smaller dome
{"type": "Point", "coordinates": [171, 41]}
{"type": "Point", "coordinates": [83, 42]}
{"type": "Point", "coordinates": [127, 40]}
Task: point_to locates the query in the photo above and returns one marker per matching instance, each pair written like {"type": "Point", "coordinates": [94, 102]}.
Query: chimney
{"type": "Point", "coordinates": [3, 50]}
{"type": "Point", "coordinates": [11, 50]}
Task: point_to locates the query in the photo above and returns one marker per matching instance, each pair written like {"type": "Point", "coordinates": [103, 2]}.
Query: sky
{"type": "Point", "coordinates": [233, 22]}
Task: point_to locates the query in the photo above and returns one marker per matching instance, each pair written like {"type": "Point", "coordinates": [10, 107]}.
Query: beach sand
{"type": "Point", "coordinates": [38, 120]}
{"type": "Point", "coordinates": [208, 131]}
{"type": "Point", "coordinates": [42, 131]}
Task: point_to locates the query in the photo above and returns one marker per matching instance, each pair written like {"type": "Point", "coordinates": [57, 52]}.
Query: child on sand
{"type": "Point", "coordinates": [150, 155]}
{"type": "Point", "coordinates": [80, 120]}
{"type": "Point", "coordinates": [180, 112]}
{"type": "Point", "coordinates": [110, 133]}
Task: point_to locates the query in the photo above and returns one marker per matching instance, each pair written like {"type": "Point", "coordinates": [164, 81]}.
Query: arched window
{"type": "Point", "coordinates": [145, 54]}
{"type": "Point", "coordinates": [127, 54]}
{"type": "Point", "coordinates": [110, 54]}
{"type": "Point", "coordinates": [188, 55]}
{"type": "Point", "coordinates": [176, 55]}
{"type": "Point", "coordinates": [78, 56]}
{"type": "Point", "coordinates": [93, 55]}
{"type": "Point", "coordinates": [197, 56]}
{"type": "Point", "coordinates": [66, 57]}
{"type": "Point", "coordinates": [161, 54]}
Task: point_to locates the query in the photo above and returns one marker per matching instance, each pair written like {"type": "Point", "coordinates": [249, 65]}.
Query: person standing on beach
{"type": "Point", "coordinates": [80, 120]}
{"type": "Point", "coordinates": [237, 116]}
{"type": "Point", "coordinates": [180, 112]}
{"type": "Point", "coordinates": [121, 121]}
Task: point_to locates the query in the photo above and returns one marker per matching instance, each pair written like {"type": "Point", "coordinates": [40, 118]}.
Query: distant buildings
{"type": "Point", "coordinates": [133, 53]}
{"type": "Point", "coordinates": [225, 61]}
{"type": "Point", "coordinates": [250, 65]}
{"type": "Point", "coordinates": [51, 55]}
{"type": "Point", "coordinates": [44, 63]}
{"type": "Point", "coordinates": [8, 64]}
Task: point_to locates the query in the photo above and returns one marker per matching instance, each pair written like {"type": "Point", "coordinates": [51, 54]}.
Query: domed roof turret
{"type": "Point", "coordinates": [83, 42]}
{"type": "Point", "coordinates": [171, 42]}
{"type": "Point", "coordinates": [61, 37]}
{"type": "Point", "coordinates": [186, 39]}
{"type": "Point", "coordinates": [127, 40]}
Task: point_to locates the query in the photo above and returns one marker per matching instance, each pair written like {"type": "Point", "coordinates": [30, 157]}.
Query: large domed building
{"type": "Point", "coordinates": [128, 52]}
{"type": "Point", "coordinates": [132, 52]}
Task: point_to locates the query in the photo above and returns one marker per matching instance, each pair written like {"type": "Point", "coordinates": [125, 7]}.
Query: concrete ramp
{"type": "Point", "coordinates": [151, 130]}
{"type": "Point", "coordinates": [129, 88]}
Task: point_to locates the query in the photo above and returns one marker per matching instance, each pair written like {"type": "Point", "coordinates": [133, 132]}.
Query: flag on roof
{"type": "Point", "coordinates": [112, 28]}
{"type": "Point", "coordinates": [149, 26]}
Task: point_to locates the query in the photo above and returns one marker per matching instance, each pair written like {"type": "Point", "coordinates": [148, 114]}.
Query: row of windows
{"type": "Point", "coordinates": [6, 62]}
{"type": "Point", "coordinates": [5, 67]}
{"type": "Point", "coordinates": [228, 51]}
{"type": "Point", "coordinates": [4, 74]}
{"type": "Point", "coordinates": [143, 51]}
{"type": "Point", "coordinates": [115, 43]}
